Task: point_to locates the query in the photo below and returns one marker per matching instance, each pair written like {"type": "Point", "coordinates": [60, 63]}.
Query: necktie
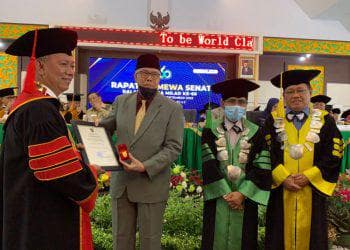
{"type": "Point", "coordinates": [299, 116]}
{"type": "Point", "coordinates": [140, 115]}
{"type": "Point", "coordinates": [236, 129]}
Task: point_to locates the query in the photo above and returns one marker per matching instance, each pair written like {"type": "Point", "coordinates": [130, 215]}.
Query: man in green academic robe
{"type": "Point", "coordinates": [236, 172]}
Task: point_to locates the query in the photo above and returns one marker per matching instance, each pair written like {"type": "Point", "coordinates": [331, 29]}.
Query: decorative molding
{"type": "Point", "coordinates": [8, 70]}
{"type": "Point", "coordinates": [306, 46]}
{"type": "Point", "coordinates": [317, 84]}
{"type": "Point", "coordinates": [13, 31]}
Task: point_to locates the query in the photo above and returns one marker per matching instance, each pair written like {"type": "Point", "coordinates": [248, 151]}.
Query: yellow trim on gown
{"type": "Point", "coordinates": [297, 206]}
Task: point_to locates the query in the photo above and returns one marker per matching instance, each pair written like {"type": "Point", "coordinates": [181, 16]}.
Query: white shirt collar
{"type": "Point", "coordinates": [49, 91]}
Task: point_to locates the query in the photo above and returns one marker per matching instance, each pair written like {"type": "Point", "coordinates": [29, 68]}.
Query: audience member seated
{"type": "Point", "coordinates": [259, 117]}
{"type": "Point", "coordinates": [335, 113]}
{"type": "Point", "coordinates": [74, 111]}
{"type": "Point", "coordinates": [98, 110]}
{"type": "Point", "coordinates": [7, 96]}
{"type": "Point", "coordinates": [320, 101]}
{"type": "Point", "coordinates": [346, 116]}
{"type": "Point", "coordinates": [203, 113]}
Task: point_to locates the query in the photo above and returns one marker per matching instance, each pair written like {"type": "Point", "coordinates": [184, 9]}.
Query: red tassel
{"type": "Point", "coordinates": [30, 91]}
{"type": "Point", "coordinates": [29, 82]}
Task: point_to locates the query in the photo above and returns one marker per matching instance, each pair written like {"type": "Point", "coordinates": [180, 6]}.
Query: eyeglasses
{"type": "Point", "coordinates": [146, 74]}
{"type": "Point", "coordinates": [236, 101]}
{"type": "Point", "coordinates": [298, 91]}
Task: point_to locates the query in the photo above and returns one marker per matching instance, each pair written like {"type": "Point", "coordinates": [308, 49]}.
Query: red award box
{"type": "Point", "coordinates": [123, 152]}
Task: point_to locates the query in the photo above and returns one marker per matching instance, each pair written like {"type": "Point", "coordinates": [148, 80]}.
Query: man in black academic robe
{"type": "Point", "coordinates": [47, 191]}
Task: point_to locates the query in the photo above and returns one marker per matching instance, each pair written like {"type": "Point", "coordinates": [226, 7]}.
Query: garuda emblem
{"type": "Point", "coordinates": [159, 22]}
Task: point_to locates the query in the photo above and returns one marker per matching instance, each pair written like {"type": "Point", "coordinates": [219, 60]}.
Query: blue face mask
{"type": "Point", "coordinates": [234, 113]}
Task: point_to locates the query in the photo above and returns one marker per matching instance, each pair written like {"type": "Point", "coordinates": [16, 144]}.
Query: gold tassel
{"type": "Point", "coordinates": [280, 106]}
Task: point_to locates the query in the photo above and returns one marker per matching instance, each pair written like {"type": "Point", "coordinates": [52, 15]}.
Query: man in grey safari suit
{"type": "Point", "coordinates": [151, 126]}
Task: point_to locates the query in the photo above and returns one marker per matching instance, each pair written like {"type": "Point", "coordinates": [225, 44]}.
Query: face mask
{"type": "Point", "coordinates": [147, 93]}
{"type": "Point", "coordinates": [234, 113]}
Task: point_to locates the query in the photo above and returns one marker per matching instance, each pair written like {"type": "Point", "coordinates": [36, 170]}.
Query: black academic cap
{"type": "Point", "coordinates": [329, 107]}
{"type": "Point", "coordinates": [148, 61]}
{"type": "Point", "coordinates": [295, 77]}
{"type": "Point", "coordinates": [320, 98]}
{"type": "Point", "coordinates": [49, 41]}
{"type": "Point", "coordinates": [336, 111]}
{"type": "Point", "coordinates": [234, 88]}
{"type": "Point", "coordinates": [257, 108]}
{"type": "Point", "coordinates": [212, 105]}
{"type": "Point", "coordinates": [7, 91]}
{"type": "Point", "coordinates": [345, 114]}
{"type": "Point", "coordinates": [75, 97]}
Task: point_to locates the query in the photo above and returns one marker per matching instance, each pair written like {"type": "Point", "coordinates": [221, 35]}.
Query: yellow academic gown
{"type": "Point", "coordinates": [297, 220]}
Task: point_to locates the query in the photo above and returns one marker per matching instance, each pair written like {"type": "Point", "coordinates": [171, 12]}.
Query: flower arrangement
{"type": "Point", "coordinates": [104, 181]}
{"type": "Point", "coordinates": [339, 206]}
{"type": "Point", "coordinates": [187, 183]}
{"type": "Point", "coordinates": [343, 188]}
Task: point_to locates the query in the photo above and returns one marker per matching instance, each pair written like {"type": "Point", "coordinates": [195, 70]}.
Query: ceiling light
{"type": "Point", "coordinates": [302, 58]}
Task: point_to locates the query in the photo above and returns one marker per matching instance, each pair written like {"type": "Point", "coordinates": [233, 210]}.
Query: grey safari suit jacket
{"type": "Point", "coordinates": [157, 143]}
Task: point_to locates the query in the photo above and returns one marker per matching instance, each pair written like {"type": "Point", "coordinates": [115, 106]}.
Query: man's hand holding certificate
{"type": "Point", "coordinates": [98, 149]}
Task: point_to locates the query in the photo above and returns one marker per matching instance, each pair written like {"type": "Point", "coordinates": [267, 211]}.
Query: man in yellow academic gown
{"type": "Point", "coordinates": [306, 150]}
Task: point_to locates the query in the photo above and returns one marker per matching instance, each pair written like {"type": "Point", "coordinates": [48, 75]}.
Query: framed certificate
{"type": "Point", "coordinates": [98, 147]}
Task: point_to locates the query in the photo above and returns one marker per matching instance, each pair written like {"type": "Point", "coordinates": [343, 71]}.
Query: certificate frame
{"type": "Point", "coordinates": [98, 135]}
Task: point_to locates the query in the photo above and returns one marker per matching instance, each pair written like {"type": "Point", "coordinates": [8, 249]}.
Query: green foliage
{"type": "Point", "coordinates": [102, 238]}
{"type": "Point", "coordinates": [187, 242]}
{"type": "Point", "coordinates": [101, 223]}
{"type": "Point", "coordinates": [338, 215]}
{"type": "Point", "coordinates": [182, 226]}
{"type": "Point", "coordinates": [183, 216]}
{"type": "Point", "coordinates": [181, 230]}
{"type": "Point", "coordinates": [339, 205]}
{"type": "Point", "coordinates": [101, 216]}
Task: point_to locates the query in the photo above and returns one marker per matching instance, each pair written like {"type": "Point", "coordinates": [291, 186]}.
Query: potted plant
{"type": "Point", "coordinates": [339, 211]}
